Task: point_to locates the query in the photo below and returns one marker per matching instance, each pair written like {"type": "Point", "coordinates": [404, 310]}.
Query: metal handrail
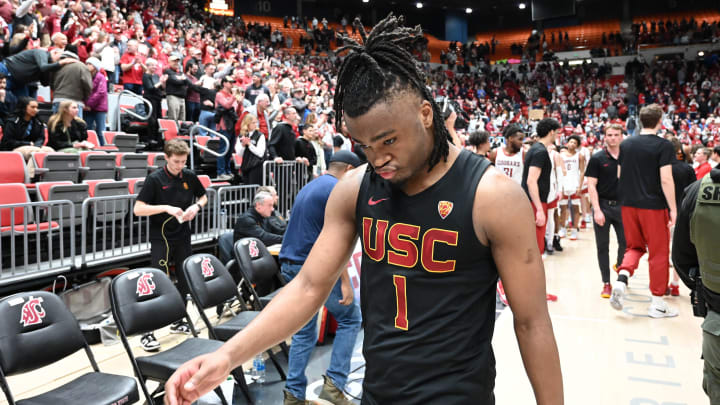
{"type": "Point", "coordinates": [198, 127]}
{"type": "Point", "coordinates": [138, 116]}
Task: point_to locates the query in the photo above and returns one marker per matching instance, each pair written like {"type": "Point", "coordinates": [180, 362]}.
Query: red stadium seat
{"type": "Point", "coordinates": [97, 165]}
{"type": "Point", "coordinates": [16, 193]}
{"type": "Point", "coordinates": [93, 138]}
{"type": "Point", "coordinates": [63, 190]}
{"type": "Point", "coordinates": [56, 166]}
{"type": "Point", "coordinates": [168, 128]}
{"type": "Point", "coordinates": [205, 180]}
{"type": "Point", "coordinates": [14, 169]}
{"type": "Point", "coordinates": [135, 184]}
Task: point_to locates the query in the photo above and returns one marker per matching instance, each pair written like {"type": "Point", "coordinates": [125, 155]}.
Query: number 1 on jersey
{"type": "Point", "coordinates": [401, 321]}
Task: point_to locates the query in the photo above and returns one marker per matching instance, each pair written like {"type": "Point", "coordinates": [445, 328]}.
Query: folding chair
{"type": "Point", "coordinates": [36, 330]}
{"type": "Point", "coordinates": [210, 285]}
{"type": "Point", "coordinates": [144, 300]}
{"type": "Point", "coordinates": [259, 270]}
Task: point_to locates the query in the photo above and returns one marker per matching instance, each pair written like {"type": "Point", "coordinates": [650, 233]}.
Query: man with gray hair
{"type": "Point", "coordinates": [254, 222]}
{"type": "Point", "coordinates": [261, 110]}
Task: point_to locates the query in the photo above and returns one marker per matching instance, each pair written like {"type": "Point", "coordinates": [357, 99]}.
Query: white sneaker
{"type": "Point", "coordinates": [573, 234]}
{"type": "Point", "coordinates": [662, 311]}
{"type": "Point", "coordinates": [588, 219]}
{"type": "Point", "coordinates": [618, 295]}
{"type": "Point", "coordinates": [562, 232]}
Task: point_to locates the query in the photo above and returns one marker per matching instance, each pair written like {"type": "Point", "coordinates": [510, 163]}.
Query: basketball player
{"type": "Point", "coordinates": [434, 241]}
{"type": "Point", "coordinates": [509, 158]}
{"type": "Point", "coordinates": [571, 184]}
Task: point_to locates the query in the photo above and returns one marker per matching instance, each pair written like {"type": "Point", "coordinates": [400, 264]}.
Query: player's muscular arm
{"type": "Point", "coordinates": [289, 310]}
{"type": "Point", "coordinates": [582, 170]}
{"type": "Point", "coordinates": [515, 251]}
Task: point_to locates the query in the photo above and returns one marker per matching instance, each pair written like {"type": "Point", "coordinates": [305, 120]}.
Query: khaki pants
{"type": "Point", "coordinates": [176, 108]}
{"type": "Point", "coordinates": [27, 152]}
{"type": "Point", "coordinates": [711, 355]}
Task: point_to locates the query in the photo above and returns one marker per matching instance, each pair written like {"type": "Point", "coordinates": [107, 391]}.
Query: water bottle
{"type": "Point", "coordinates": [258, 373]}
{"type": "Point", "coordinates": [223, 219]}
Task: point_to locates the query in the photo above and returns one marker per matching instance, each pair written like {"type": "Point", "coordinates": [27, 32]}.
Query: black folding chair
{"type": "Point", "coordinates": [37, 329]}
{"type": "Point", "coordinates": [259, 270]}
{"type": "Point", "coordinates": [144, 300]}
{"type": "Point", "coordinates": [210, 284]}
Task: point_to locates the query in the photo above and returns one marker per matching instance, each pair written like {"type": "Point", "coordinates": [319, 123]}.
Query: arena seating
{"type": "Point", "coordinates": [64, 190]}
{"type": "Point", "coordinates": [12, 220]}
{"type": "Point", "coordinates": [28, 346]}
{"type": "Point", "coordinates": [14, 169]}
{"type": "Point", "coordinates": [131, 165]}
{"type": "Point", "coordinates": [97, 165]}
{"type": "Point", "coordinates": [93, 138]}
{"type": "Point", "coordinates": [56, 166]}
{"type": "Point", "coordinates": [137, 313]}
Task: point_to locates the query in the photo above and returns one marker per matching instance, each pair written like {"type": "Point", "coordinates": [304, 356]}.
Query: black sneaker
{"type": "Point", "coordinates": [556, 243]}
{"type": "Point", "coordinates": [180, 327]}
{"type": "Point", "coordinates": [149, 343]}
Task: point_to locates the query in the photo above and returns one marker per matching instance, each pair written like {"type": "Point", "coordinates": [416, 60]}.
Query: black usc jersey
{"type": "Point", "coordinates": [427, 292]}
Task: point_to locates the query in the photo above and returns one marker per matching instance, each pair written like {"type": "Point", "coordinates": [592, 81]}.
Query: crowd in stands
{"type": "Point", "coordinates": [674, 32]}
{"type": "Point", "coordinates": [217, 71]}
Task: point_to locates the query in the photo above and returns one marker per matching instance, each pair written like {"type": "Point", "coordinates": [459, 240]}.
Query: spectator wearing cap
{"type": "Point", "coordinates": [132, 65]}
{"type": "Point", "coordinates": [96, 105]}
{"type": "Point", "coordinates": [298, 101]}
{"type": "Point", "coordinates": [72, 82]}
{"type": "Point", "coordinates": [176, 89]}
{"type": "Point", "coordinates": [29, 66]}
{"type": "Point", "coordinates": [256, 88]}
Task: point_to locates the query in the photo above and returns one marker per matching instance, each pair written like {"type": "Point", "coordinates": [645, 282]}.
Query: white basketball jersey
{"type": "Point", "coordinates": [553, 178]}
{"type": "Point", "coordinates": [572, 177]}
{"type": "Point", "coordinates": [511, 165]}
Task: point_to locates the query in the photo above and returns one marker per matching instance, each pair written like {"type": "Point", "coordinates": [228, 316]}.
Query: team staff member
{"type": "Point", "coordinates": [602, 179]}
{"type": "Point", "coordinates": [303, 230]}
{"type": "Point", "coordinates": [695, 246]}
{"type": "Point", "coordinates": [428, 308]}
{"type": "Point", "coordinates": [171, 197]}
{"type": "Point", "coordinates": [646, 191]}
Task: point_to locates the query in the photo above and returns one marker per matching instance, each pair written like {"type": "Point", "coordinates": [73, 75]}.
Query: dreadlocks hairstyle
{"type": "Point", "coordinates": [379, 69]}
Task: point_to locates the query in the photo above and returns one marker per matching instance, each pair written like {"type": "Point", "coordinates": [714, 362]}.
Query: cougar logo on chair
{"type": "Point", "coordinates": [32, 312]}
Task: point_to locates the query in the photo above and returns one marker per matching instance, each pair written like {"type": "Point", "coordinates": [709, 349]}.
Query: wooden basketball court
{"type": "Point", "coordinates": [608, 357]}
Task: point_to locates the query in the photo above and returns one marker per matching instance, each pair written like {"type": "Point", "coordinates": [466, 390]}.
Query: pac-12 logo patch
{"type": "Point", "coordinates": [253, 249]}
{"type": "Point", "coordinates": [32, 312]}
{"type": "Point", "coordinates": [145, 285]}
{"type": "Point", "coordinates": [207, 268]}
{"type": "Point", "coordinates": [444, 208]}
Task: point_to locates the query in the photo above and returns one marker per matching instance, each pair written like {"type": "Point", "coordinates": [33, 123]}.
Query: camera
{"type": "Point", "coordinates": [448, 106]}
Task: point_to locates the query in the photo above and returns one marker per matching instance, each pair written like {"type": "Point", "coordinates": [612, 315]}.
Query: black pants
{"type": "Point", "coordinates": [254, 175]}
{"type": "Point", "coordinates": [179, 251]}
{"type": "Point", "coordinates": [613, 217]}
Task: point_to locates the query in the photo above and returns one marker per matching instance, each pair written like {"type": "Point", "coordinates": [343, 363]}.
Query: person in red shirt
{"type": "Point", "coordinates": [228, 101]}
{"type": "Point", "coordinates": [701, 157]}
{"type": "Point", "coordinates": [132, 66]}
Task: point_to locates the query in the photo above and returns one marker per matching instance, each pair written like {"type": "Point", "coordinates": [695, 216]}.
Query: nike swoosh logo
{"type": "Point", "coordinates": [165, 187]}
{"type": "Point", "coordinates": [375, 202]}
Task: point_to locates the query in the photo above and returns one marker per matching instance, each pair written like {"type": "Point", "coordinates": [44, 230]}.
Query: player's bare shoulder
{"type": "Point", "coordinates": [343, 198]}
{"type": "Point", "coordinates": [497, 197]}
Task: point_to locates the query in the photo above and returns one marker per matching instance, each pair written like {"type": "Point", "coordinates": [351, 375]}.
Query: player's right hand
{"type": "Point", "coordinates": [599, 218]}
{"type": "Point", "coordinates": [196, 378]}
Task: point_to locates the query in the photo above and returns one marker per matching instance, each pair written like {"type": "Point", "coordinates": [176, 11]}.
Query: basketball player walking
{"type": "Point", "coordinates": [434, 241]}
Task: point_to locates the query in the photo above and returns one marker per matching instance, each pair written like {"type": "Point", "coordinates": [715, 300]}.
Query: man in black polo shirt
{"type": "Point", "coordinates": [171, 196]}
{"type": "Point", "coordinates": [536, 175]}
{"type": "Point", "coordinates": [646, 190]}
{"type": "Point", "coordinates": [601, 175]}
